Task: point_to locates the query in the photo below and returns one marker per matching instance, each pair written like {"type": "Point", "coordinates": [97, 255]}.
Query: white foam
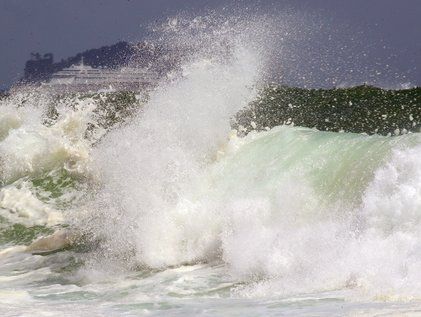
{"type": "Point", "coordinates": [34, 148]}
{"type": "Point", "coordinates": [20, 205]}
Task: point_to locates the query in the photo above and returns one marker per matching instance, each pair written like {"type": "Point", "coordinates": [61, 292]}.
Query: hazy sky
{"type": "Point", "coordinates": [388, 30]}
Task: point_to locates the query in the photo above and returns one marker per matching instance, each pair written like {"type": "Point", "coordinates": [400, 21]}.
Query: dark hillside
{"type": "Point", "coordinates": [361, 109]}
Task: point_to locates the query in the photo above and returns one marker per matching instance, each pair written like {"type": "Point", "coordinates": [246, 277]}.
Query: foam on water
{"type": "Point", "coordinates": [31, 148]}
{"type": "Point", "coordinates": [321, 216]}
{"type": "Point", "coordinates": [35, 150]}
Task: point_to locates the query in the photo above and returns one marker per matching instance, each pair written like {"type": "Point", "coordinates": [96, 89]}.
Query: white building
{"type": "Point", "coordinates": [86, 78]}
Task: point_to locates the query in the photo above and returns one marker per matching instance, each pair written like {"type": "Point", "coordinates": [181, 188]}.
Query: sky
{"type": "Point", "coordinates": [387, 31]}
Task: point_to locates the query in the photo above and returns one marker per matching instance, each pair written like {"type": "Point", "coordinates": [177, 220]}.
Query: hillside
{"type": "Point", "coordinates": [361, 109]}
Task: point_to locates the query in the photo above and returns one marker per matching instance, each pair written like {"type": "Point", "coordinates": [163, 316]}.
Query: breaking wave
{"type": "Point", "coordinates": [282, 212]}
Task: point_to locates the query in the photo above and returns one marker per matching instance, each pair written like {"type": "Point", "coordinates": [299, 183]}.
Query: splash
{"type": "Point", "coordinates": [287, 211]}
{"type": "Point", "coordinates": [147, 166]}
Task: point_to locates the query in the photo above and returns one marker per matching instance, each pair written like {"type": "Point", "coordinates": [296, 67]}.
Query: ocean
{"type": "Point", "coordinates": [169, 211]}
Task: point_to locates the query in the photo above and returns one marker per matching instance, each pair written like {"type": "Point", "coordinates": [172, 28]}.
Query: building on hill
{"type": "Point", "coordinates": [119, 66]}
{"type": "Point", "coordinates": [41, 68]}
{"type": "Point", "coordinates": [81, 77]}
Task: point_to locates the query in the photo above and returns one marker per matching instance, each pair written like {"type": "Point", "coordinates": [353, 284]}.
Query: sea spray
{"type": "Point", "coordinates": [147, 166]}
{"type": "Point", "coordinates": [287, 211]}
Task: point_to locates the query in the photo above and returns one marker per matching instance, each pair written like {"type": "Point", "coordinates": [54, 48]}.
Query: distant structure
{"type": "Point", "coordinates": [38, 68]}
{"type": "Point", "coordinates": [143, 55]}
{"type": "Point", "coordinates": [81, 77]}
{"type": "Point", "coordinates": [106, 67]}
